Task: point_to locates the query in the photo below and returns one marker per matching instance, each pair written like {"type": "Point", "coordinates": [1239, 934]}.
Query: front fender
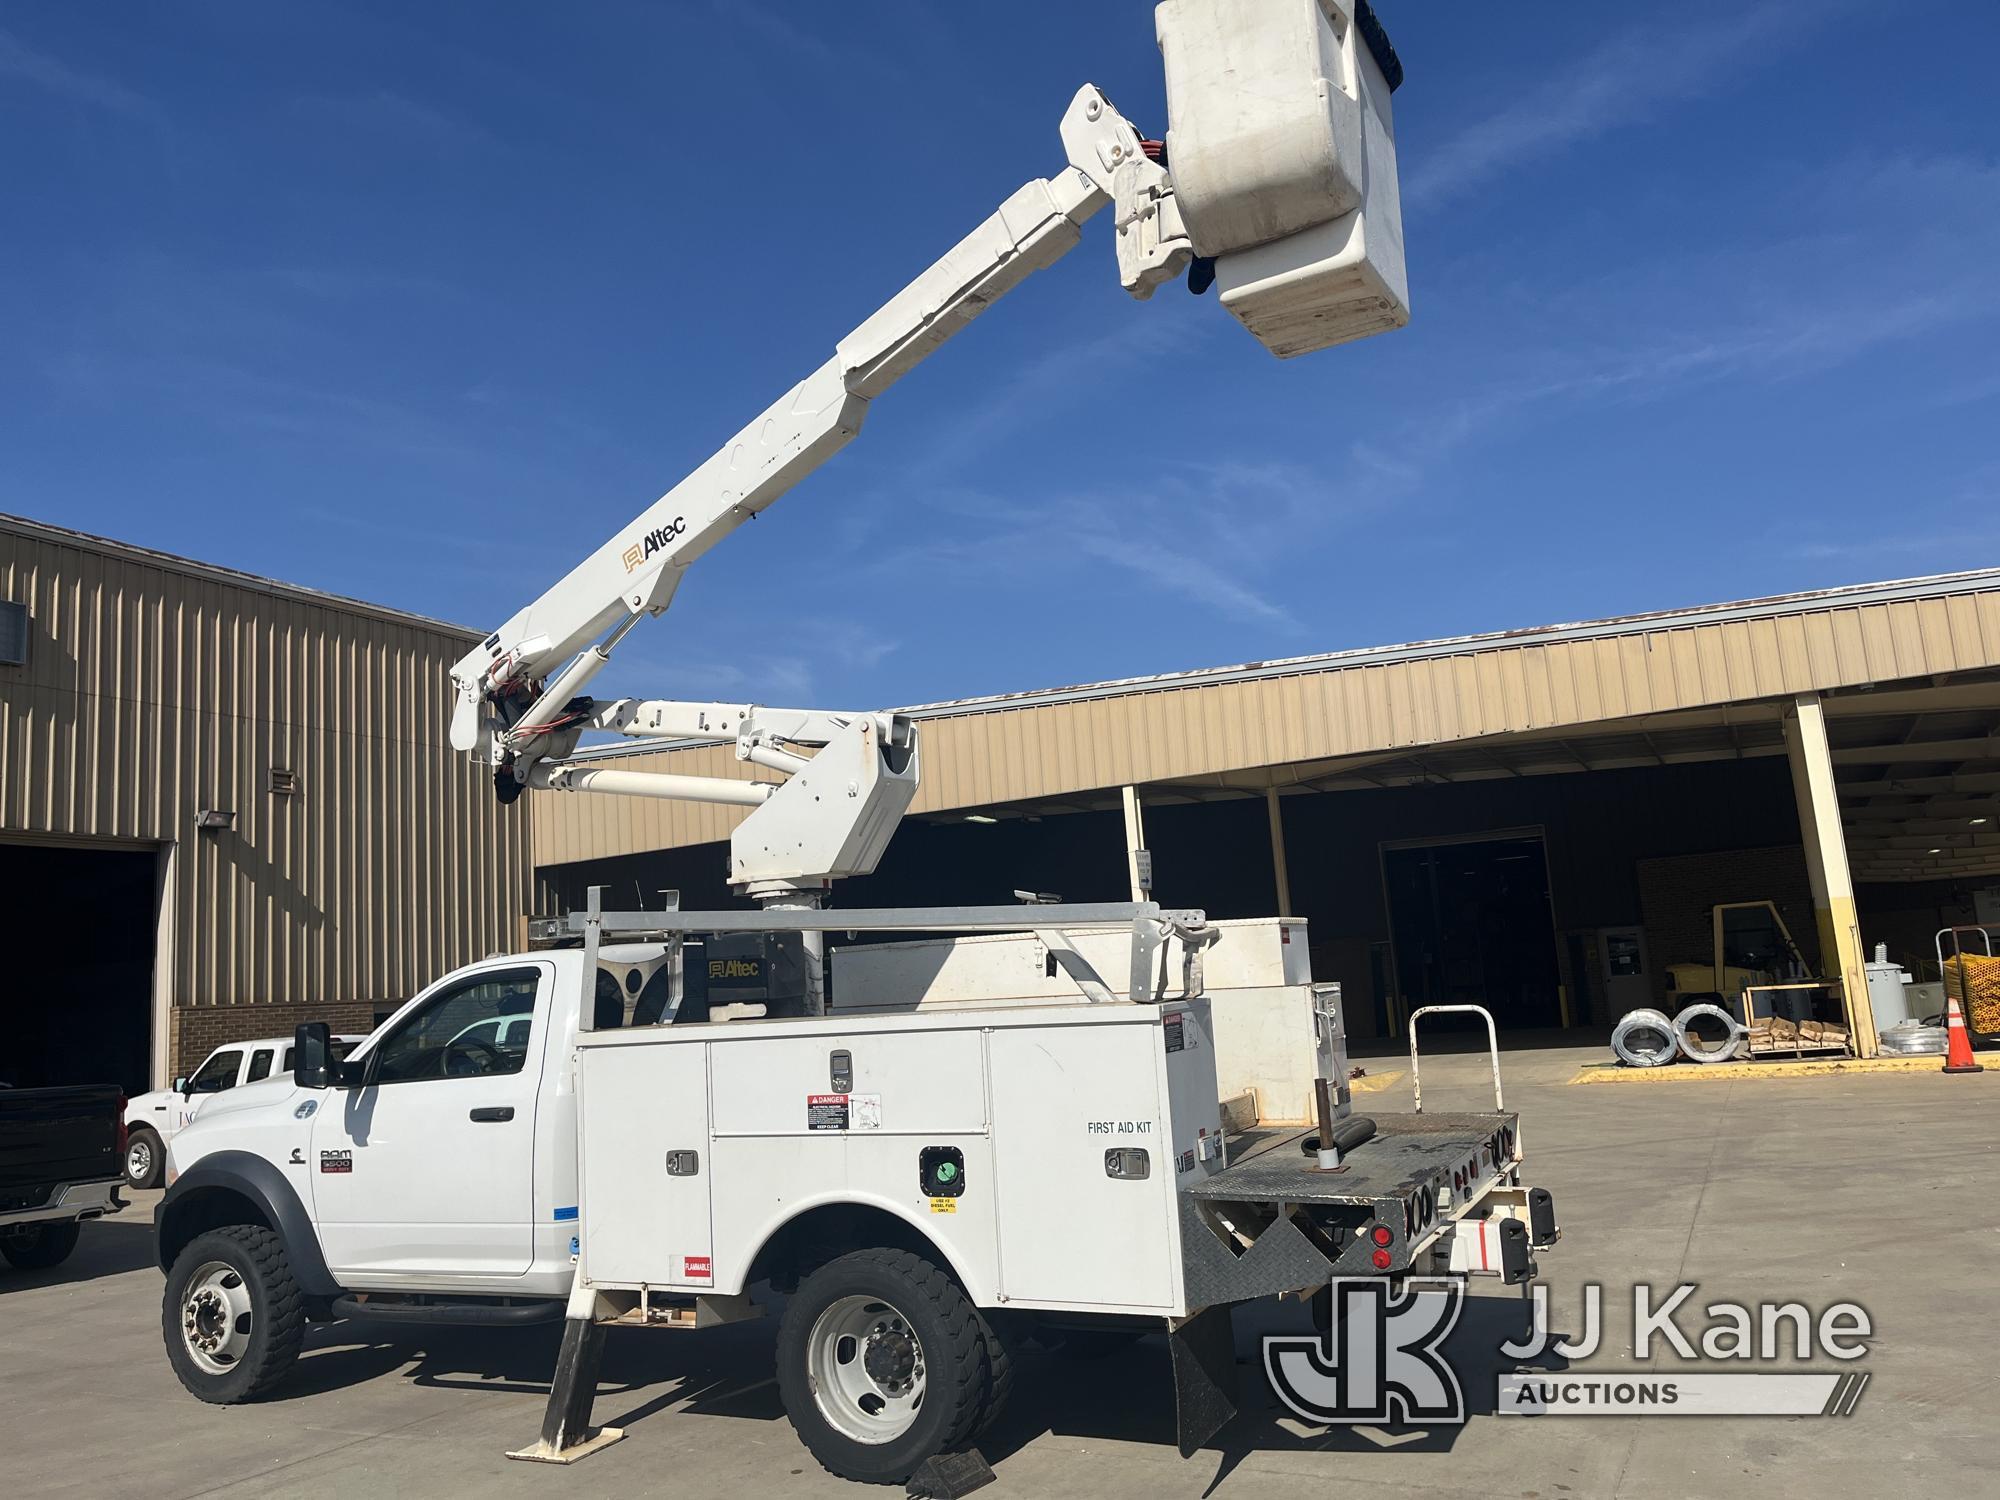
{"type": "Point", "coordinates": [218, 1189]}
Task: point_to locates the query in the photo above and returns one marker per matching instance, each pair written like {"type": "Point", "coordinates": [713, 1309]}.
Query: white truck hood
{"type": "Point", "coordinates": [140, 1109]}
{"type": "Point", "coordinates": [266, 1093]}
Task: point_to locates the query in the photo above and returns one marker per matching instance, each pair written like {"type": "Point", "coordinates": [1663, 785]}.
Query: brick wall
{"type": "Point", "coordinates": [197, 1030]}
{"type": "Point", "coordinates": [1675, 895]}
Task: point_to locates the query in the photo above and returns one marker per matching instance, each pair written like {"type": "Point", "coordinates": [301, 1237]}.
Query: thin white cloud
{"type": "Point", "coordinates": [22, 62]}
{"type": "Point", "coordinates": [1622, 82]}
{"type": "Point", "coordinates": [397, 118]}
{"type": "Point", "coordinates": [1952, 531]}
{"type": "Point", "coordinates": [685, 655]}
{"type": "Point", "coordinates": [1210, 535]}
{"type": "Point", "coordinates": [842, 60]}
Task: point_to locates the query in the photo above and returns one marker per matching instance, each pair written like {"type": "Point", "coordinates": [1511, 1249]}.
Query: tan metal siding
{"type": "Point", "coordinates": [151, 693]}
{"type": "Point", "coordinates": [1183, 730]}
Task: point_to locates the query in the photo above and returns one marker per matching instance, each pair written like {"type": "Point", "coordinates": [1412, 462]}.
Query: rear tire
{"type": "Point", "coordinates": [143, 1158]}
{"type": "Point", "coordinates": [882, 1363]}
{"type": "Point", "coordinates": [37, 1247]}
{"type": "Point", "coordinates": [232, 1315]}
{"type": "Point", "coordinates": [1001, 1332]}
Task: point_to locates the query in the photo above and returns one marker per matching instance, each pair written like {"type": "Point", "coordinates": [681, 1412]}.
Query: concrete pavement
{"type": "Point", "coordinates": [1879, 1189]}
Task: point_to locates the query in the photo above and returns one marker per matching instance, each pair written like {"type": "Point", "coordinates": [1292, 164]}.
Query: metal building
{"type": "Point", "coordinates": [1543, 819]}
{"type": "Point", "coordinates": [226, 806]}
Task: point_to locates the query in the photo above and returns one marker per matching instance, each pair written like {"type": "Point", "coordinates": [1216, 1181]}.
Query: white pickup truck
{"type": "Point", "coordinates": [152, 1119]}
{"type": "Point", "coordinates": [926, 1184]}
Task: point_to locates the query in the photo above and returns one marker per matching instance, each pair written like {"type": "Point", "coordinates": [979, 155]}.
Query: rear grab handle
{"type": "Point", "coordinates": [1492, 1048]}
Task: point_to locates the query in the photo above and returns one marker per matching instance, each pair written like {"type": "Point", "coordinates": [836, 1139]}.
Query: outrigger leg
{"type": "Point", "coordinates": [566, 1431]}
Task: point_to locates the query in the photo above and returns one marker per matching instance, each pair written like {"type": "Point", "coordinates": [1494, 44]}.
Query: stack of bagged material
{"type": "Point", "coordinates": [1776, 1034]}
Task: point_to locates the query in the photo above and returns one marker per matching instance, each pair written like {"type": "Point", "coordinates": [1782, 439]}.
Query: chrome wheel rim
{"type": "Point", "coordinates": [216, 1317]}
{"type": "Point", "coordinates": [867, 1369]}
{"type": "Point", "coordinates": [138, 1159]}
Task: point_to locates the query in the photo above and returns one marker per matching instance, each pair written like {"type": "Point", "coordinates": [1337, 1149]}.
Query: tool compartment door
{"type": "Point", "coordinates": [1071, 1235]}
{"type": "Point", "coordinates": [645, 1215]}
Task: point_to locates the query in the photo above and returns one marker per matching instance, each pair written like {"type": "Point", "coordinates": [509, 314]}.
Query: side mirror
{"type": "Point", "coordinates": [181, 1087]}
{"type": "Point", "coordinates": [312, 1055]}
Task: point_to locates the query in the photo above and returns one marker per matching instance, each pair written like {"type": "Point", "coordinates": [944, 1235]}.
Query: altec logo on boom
{"type": "Point", "coordinates": [659, 538]}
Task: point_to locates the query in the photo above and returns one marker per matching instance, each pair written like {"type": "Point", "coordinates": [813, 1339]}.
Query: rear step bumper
{"type": "Point", "coordinates": [1272, 1222]}
{"type": "Point", "coordinates": [482, 1314]}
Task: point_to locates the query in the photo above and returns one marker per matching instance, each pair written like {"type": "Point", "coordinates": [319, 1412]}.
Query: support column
{"type": "Point", "coordinates": [1138, 859]}
{"type": "Point", "coordinates": [1826, 863]}
{"type": "Point", "coordinates": [1278, 867]}
{"type": "Point", "coordinates": [1815, 871]}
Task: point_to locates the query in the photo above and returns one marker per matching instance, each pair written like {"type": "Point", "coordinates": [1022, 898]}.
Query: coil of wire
{"type": "Point", "coordinates": [1694, 1047]}
{"type": "Point", "coordinates": [1645, 1039]}
{"type": "Point", "coordinates": [1913, 1039]}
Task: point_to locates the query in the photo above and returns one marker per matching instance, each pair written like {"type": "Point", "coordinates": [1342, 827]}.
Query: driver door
{"type": "Point", "coordinates": [427, 1166]}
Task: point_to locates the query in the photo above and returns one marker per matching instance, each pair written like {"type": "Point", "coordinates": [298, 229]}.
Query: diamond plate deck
{"type": "Point", "coordinates": [1407, 1152]}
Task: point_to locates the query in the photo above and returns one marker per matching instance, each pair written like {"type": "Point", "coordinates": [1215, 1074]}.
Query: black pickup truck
{"type": "Point", "coordinates": [62, 1159]}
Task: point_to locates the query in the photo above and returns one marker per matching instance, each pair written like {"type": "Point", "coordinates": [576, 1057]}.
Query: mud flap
{"type": "Point", "coordinates": [1205, 1383]}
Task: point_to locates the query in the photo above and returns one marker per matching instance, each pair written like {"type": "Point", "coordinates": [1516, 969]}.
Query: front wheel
{"type": "Point", "coordinates": [882, 1363]}
{"type": "Point", "coordinates": [232, 1316]}
{"type": "Point", "coordinates": [40, 1246]}
{"type": "Point", "coordinates": [143, 1159]}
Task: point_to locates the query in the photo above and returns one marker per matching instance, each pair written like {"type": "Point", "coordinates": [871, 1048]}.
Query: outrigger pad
{"type": "Point", "coordinates": [946, 1476]}
{"type": "Point", "coordinates": [1205, 1383]}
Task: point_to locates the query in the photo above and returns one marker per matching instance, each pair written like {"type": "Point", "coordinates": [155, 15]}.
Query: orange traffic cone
{"type": "Point", "coordinates": [1957, 1045]}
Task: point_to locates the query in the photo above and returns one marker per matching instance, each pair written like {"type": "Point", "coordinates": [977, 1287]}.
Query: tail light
{"type": "Point", "coordinates": [121, 1125]}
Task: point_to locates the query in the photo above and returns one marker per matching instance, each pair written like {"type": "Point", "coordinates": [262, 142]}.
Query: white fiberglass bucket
{"type": "Point", "coordinates": [1282, 149]}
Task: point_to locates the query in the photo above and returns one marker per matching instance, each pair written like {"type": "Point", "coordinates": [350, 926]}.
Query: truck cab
{"type": "Point", "coordinates": [154, 1118]}
{"type": "Point", "coordinates": [447, 1162]}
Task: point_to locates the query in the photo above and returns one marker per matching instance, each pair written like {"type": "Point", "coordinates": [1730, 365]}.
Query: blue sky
{"type": "Point", "coordinates": [420, 303]}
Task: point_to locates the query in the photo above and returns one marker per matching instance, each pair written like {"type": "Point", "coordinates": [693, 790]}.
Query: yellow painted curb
{"type": "Point", "coordinates": [1375, 1083]}
{"type": "Point", "coordinates": [1812, 1067]}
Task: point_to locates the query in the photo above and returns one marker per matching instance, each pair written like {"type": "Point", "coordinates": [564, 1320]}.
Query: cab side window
{"type": "Point", "coordinates": [260, 1065]}
{"type": "Point", "coordinates": [217, 1074]}
{"type": "Point", "coordinates": [476, 1028]}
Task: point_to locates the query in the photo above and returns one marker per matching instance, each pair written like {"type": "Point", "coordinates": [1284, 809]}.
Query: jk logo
{"type": "Point", "coordinates": [1380, 1363]}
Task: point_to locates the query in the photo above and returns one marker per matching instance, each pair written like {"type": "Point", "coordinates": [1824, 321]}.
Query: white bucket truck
{"type": "Point", "coordinates": [925, 1182]}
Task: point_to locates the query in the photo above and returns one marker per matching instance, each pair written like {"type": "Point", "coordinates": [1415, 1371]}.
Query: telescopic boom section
{"type": "Point", "coordinates": [519, 705]}
{"type": "Point", "coordinates": [505, 691]}
{"type": "Point", "coordinates": [1282, 148]}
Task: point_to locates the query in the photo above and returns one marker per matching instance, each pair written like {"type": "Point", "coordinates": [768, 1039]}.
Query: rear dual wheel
{"type": "Point", "coordinates": [883, 1363]}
